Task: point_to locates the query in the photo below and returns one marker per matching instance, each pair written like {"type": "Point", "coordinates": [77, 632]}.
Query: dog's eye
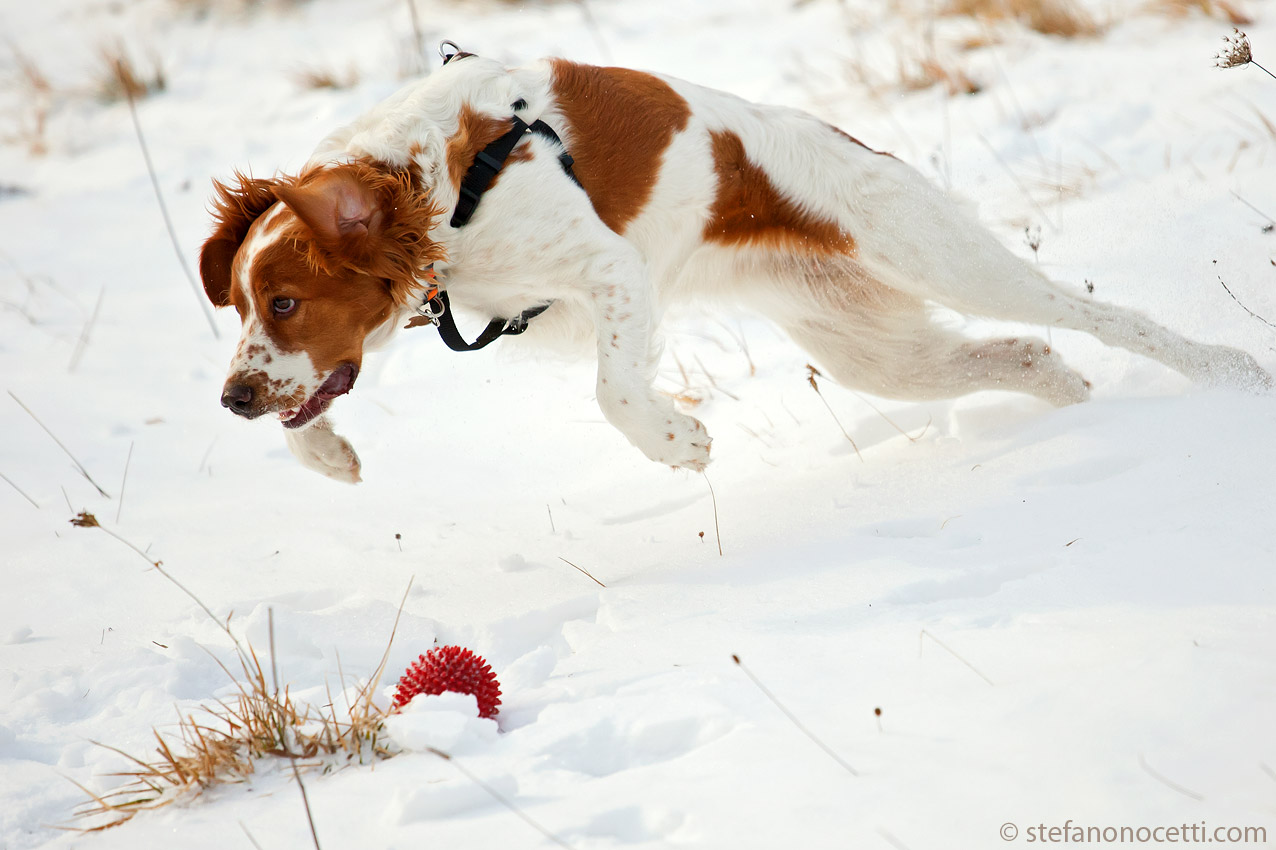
{"type": "Point", "coordinates": [283, 306]}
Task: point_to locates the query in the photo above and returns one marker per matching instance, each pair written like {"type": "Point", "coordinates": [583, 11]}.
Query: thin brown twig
{"type": "Point", "coordinates": [583, 570]}
{"type": "Point", "coordinates": [416, 30]}
{"type": "Point", "coordinates": [78, 465]}
{"type": "Point", "coordinates": [594, 29]}
{"type": "Point", "coordinates": [168, 221]}
{"type": "Point", "coordinates": [714, 499]}
{"type": "Point", "coordinates": [1261, 68]}
{"type": "Point", "coordinates": [1014, 178]}
{"type": "Point", "coordinates": [385, 656]}
{"type": "Point", "coordinates": [892, 840]}
{"type": "Point", "coordinates": [499, 797]}
{"type": "Point", "coordinates": [743, 343]}
{"type": "Point", "coordinates": [251, 840]}
{"type": "Point", "coordinates": [793, 718]}
{"type": "Point", "coordinates": [283, 738]}
{"type": "Point", "coordinates": [123, 482]}
{"type": "Point", "coordinates": [1272, 221]}
{"type": "Point", "coordinates": [1228, 290]}
{"type": "Point", "coordinates": [714, 383]}
{"type": "Point", "coordinates": [84, 519]}
{"type": "Point", "coordinates": [812, 372]}
{"type": "Point", "coordinates": [6, 480]}
{"type": "Point", "coordinates": [1173, 786]}
{"type": "Point", "coordinates": [949, 650]}
{"type": "Point", "coordinates": [891, 422]}
{"type": "Point", "coordinates": [83, 342]}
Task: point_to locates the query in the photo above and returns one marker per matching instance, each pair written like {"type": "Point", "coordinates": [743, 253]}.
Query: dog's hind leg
{"type": "Point", "coordinates": [1036, 300]}
{"type": "Point", "coordinates": [926, 361]}
{"type": "Point", "coordinates": [934, 251]}
{"type": "Point", "coordinates": [873, 339]}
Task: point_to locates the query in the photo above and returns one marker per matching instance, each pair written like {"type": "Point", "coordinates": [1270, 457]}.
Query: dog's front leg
{"type": "Point", "coordinates": [628, 354]}
{"type": "Point", "coordinates": [320, 448]}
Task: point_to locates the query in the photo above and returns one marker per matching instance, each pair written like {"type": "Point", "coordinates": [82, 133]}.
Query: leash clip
{"type": "Point", "coordinates": [431, 308]}
{"type": "Point", "coordinates": [448, 55]}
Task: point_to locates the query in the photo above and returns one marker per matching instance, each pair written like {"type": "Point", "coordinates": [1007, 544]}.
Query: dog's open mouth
{"type": "Point", "coordinates": [340, 382]}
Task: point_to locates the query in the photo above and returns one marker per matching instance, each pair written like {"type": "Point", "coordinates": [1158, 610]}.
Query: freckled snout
{"type": "Point", "coordinates": [238, 398]}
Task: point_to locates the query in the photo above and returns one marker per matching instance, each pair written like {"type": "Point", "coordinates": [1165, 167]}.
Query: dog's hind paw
{"type": "Point", "coordinates": [1231, 367]}
{"type": "Point", "coordinates": [319, 448]}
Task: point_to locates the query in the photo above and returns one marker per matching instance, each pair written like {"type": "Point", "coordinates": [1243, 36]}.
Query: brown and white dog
{"type": "Point", "coordinates": [685, 194]}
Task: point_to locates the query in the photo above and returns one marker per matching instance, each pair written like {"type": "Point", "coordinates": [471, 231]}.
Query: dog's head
{"type": "Point", "coordinates": [315, 265]}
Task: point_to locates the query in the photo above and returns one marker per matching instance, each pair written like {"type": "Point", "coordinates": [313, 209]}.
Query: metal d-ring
{"type": "Point", "coordinates": [433, 309]}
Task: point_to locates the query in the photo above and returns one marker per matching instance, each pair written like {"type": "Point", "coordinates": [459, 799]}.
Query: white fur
{"type": "Point", "coordinates": [867, 319]}
{"type": "Point", "coordinates": [291, 376]}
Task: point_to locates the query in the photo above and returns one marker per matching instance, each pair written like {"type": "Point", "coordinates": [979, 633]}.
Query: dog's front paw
{"type": "Point", "coordinates": [682, 442]}
{"type": "Point", "coordinates": [319, 448]}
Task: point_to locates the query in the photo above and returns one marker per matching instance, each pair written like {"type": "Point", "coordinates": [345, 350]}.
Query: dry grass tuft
{"type": "Point", "coordinates": [929, 71]}
{"type": "Point", "coordinates": [1222, 9]}
{"type": "Point", "coordinates": [326, 78]}
{"type": "Point", "coordinates": [35, 120]}
{"type": "Point", "coordinates": [1051, 17]}
{"type": "Point", "coordinates": [222, 743]}
{"type": "Point", "coordinates": [121, 79]}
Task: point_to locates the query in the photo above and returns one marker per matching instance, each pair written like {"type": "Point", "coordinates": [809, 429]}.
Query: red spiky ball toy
{"type": "Point", "coordinates": [451, 668]}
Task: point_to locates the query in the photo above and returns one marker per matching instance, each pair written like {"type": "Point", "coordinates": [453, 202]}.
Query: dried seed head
{"type": "Point", "coordinates": [1235, 52]}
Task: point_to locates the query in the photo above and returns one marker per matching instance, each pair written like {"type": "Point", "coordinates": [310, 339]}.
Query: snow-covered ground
{"type": "Point", "coordinates": [1062, 614]}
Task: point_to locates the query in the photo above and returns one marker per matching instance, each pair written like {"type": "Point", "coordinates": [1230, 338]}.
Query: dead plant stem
{"type": "Point", "coordinates": [946, 648]}
{"type": "Point", "coordinates": [583, 570]}
{"type": "Point", "coordinates": [713, 498]}
{"type": "Point", "coordinates": [123, 482]}
{"type": "Point", "coordinates": [801, 727]}
{"type": "Point", "coordinates": [499, 797]}
{"type": "Point", "coordinates": [78, 465]}
{"type": "Point", "coordinates": [20, 491]}
{"type": "Point", "coordinates": [168, 221]}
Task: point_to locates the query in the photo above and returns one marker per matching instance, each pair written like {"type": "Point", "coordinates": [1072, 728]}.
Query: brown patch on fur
{"type": "Point", "coordinates": [348, 278]}
{"type": "Point", "coordinates": [396, 249]}
{"type": "Point", "coordinates": [619, 123]}
{"type": "Point", "coordinates": [474, 132]}
{"type": "Point", "coordinates": [235, 207]}
{"type": "Point", "coordinates": [750, 210]}
{"type": "Point", "coordinates": [335, 311]}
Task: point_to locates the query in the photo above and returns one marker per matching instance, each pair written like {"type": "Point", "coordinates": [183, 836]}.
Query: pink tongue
{"type": "Point", "coordinates": [338, 383]}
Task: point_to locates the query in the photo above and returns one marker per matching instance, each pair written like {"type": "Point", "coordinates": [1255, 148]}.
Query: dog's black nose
{"type": "Point", "coordinates": [237, 397]}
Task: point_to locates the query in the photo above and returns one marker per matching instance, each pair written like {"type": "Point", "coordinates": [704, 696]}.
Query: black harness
{"type": "Point", "coordinates": [437, 309]}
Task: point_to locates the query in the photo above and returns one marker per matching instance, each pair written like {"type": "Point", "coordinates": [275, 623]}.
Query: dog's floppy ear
{"type": "Point", "coordinates": [335, 205]}
{"type": "Point", "coordinates": [236, 206]}
{"type": "Point", "coordinates": [367, 217]}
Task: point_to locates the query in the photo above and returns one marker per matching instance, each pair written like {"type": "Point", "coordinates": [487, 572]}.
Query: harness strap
{"type": "Point", "coordinates": [495, 329]}
{"type": "Point", "coordinates": [488, 162]}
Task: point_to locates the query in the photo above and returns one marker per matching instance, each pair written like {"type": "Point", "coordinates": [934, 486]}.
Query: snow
{"type": "Point", "coordinates": [1060, 613]}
